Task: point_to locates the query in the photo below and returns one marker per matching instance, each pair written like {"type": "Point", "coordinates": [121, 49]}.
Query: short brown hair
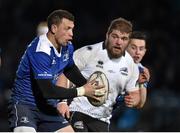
{"type": "Point", "coordinates": [120, 24]}
{"type": "Point", "coordinates": [56, 17]}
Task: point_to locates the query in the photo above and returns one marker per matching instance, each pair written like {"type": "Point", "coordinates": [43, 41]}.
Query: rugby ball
{"type": "Point", "coordinates": [100, 79]}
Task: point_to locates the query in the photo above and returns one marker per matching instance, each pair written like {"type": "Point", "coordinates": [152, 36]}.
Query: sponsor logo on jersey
{"type": "Point", "coordinates": [53, 61]}
{"type": "Point", "coordinates": [111, 71]}
{"type": "Point", "coordinates": [24, 119]}
{"type": "Point", "coordinates": [100, 64]}
{"type": "Point", "coordinates": [66, 56]}
{"type": "Point", "coordinates": [56, 76]}
{"type": "Point", "coordinates": [79, 125]}
{"type": "Point", "coordinates": [124, 71]}
{"type": "Point", "coordinates": [89, 48]}
{"type": "Point", "coordinates": [45, 74]}
{"type": "Point", "coordinates": [65, 121]}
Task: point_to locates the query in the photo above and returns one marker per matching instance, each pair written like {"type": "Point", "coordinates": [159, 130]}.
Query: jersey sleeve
{"type": "Point", "coordinates": [131, 84]}
{"type": "Point", "coordinates": [41, 65]}
{"type": "Point", "coordinates": [81, 57]}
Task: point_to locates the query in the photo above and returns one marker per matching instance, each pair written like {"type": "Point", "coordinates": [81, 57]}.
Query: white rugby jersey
{"type": "Point", "coordinates": [122, 74]}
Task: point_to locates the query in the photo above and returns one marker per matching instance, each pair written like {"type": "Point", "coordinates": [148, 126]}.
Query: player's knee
{"type": "Point", "coordinates": [65, 129]}
{"type": "Point", "coordinates": [24, 129]}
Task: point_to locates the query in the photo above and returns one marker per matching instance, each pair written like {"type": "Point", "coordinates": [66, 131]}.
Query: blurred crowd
{"type": "Point", "coordinates": [19, 20]}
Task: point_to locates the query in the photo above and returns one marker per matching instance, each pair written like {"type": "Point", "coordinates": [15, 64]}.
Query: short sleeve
{"type": "Point", "coordinates": [81, 57]}
{"type": "Point", "coordinates": [131, 84]}
{"type": "Point", "coordinates": [41, 65]}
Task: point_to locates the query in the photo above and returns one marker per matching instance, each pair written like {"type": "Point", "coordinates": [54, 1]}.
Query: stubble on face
{"type": "Point", "coordinates": [116, 48]}
{"type": "Point", "coordinates": [65, 32]}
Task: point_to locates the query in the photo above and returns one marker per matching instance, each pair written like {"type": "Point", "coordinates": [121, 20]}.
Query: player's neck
{"type": "Point", "coordinates": [54, 43]}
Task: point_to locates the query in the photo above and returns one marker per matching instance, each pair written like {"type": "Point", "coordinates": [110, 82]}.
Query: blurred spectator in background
{"type": "Point", "coordinates": [0, 57]}
{"type": "Point", "coordinates": [42, 28]}
{"type": "Point", "coordinates": [0, 69]}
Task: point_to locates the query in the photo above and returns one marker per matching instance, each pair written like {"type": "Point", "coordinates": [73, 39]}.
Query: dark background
{"type": "Point", "coordinates": [160, 18]}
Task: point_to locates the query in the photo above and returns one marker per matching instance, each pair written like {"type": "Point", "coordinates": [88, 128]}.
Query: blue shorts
{"type": "Point", "coordinates": [30, 116]}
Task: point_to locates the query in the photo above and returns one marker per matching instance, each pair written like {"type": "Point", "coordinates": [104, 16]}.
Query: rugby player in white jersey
{"type": "Point", "coordinates": [111, 58]}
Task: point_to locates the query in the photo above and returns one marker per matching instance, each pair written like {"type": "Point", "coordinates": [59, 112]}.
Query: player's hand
{"type": "Point", "coordinates": [132, 99]}
{"type": "Point", "coordinates": [144, 76]}
{"type": "Point", "coordinates": [93, 90]}
{"type": "Point", "coordinates": [63, 109]}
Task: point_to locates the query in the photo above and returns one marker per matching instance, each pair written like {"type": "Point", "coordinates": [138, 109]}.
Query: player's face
{"type": "Point", "coordinates": [64, 32]}
{"type": "Point", "coordinates": [137, 49]}
{"type": "Point", "coordinates": [116, 43]}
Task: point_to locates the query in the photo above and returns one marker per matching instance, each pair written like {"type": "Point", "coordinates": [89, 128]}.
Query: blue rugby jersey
{"type": "Point", "coordinates": [40, 61]}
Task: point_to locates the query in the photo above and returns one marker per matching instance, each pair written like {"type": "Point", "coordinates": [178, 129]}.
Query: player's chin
{"type": "Point", "coordinates": [116, 53]}
{"type": "Point", "coordinates": [64, 43]}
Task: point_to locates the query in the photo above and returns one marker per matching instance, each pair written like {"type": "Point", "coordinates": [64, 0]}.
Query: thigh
{"type": "Point", "coordinates": [78, 123]}
{"type": "Point", "coordinates": [50, 123]}
{"type": "Point", "coordinates": [95, 125]}
{"type": "Point", "coordinates": [66, 129]}
{"type": "Point", "coordinates": [85, 123]}
{"type": "Point", "coordinates": [21, 115]}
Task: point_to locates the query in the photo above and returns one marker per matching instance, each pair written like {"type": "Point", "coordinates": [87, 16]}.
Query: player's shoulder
{"type": "Point", "coordinates": [128, 57]}
{"type": "Point", "coordinates": [90, 48]}
{"type": "Point", "coordinates": [44, 45]}
{"type": "Point", "coordinates": [140, 65]}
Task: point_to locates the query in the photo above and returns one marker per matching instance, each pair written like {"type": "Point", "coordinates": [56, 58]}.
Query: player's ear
{"type": "Point", "coordinates": [53, 28]}
{"type": "Point", "coordinates": [145, 51]}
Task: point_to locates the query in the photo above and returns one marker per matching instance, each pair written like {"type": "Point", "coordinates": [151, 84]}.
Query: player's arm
{"type": "Point", "coordinates": [51, 91]}
{"type": "Point", "coordinates": [143, 95]}
{"type": "Point", "coordinates": [144, 76]}
{"type": "Point", "coordinates": [62, 81]}
{"type": "Point", "coordinates": [62, 107]}
{"type": "Point", "coordinates": [74, 75]}
{"type": "Point", "coordinates": [41, 63]}
{"type": "Point", "coordinates": [132, 99]}
{"type": "Point", "coordinates": [143, 80]}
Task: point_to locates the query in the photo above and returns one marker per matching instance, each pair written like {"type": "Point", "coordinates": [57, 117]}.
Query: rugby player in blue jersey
{"type": "Point", "coordinates": [33, 104]}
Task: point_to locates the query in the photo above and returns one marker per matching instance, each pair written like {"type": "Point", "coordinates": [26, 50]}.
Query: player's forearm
{"type": "Point", "coordinates": [62, 81]}
{"type": "Point", "coordinates": [132, 99]}
{"type": "Point", "coordinates": [143, 94]}
{"type": "Point", "coordinates": [75, 76]}
{"type": "Point", "coordinates": [52, 91]}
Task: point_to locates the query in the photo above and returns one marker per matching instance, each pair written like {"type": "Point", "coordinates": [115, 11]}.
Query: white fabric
{"type": "Point", "coordinates": [24, 129]}
{"type": "Point", "coordinates": [44, 45]}
{"type": "Point", "coordinates": [122, 74]}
